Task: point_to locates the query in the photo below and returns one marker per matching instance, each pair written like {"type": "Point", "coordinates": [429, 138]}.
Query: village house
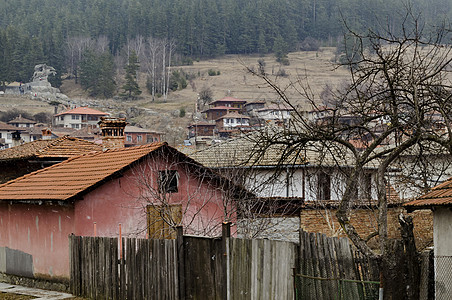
{"type": "Point", "coordinates": [78, 118]}
{"type": "Point", "coordinates": [9, 135]}
{"type": "Point", "coordinates": [213, 113]}
{"type": "Point", "coordinates": [313, 182]}
{"type": "Point", "coordinates": [201, 129]}
{"type": "Point", "coordinates": [274, 112]}
{"type": "Point", "coordinates": [229, 102]}
{"type": "Point", "coordinates": [252, 106]}
{"type": "Point", "coordinates": [135, 136]}
{"type": "Point", "coordinates": [22, 122]}
{"type": "Point", "coordinates": [145, 190]}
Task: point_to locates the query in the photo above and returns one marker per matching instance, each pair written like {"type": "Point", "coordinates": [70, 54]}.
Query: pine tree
{"type": "Point", "coordinates": [131, 88]}
{"type": "Point", "coordinates": [96, 74]}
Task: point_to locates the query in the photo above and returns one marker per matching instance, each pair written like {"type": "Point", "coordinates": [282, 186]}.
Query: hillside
{"type": "Point", "coordinates": [312, 68]}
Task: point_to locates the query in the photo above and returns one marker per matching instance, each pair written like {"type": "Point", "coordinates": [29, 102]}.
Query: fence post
{"type": "Point", "coordinates": [180, 261]}
{"type": "Point", "coordinates": [225, 235]}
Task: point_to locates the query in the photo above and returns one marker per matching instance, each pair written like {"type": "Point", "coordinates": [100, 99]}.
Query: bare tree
{"type": "Point", "coordinates": [102, 43]}
{"type": "Point", "coordinates": [153, 51]}
{"type": "Point", "coordinates": [75, 47]}
{"type": "Point", "coordinates": [397, 85]}
{"type": "Point", "coordinates": [177, 191]}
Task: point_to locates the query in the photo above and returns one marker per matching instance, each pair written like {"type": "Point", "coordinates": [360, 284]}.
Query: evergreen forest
{"type": "Point", "coordinates": [59, 32]}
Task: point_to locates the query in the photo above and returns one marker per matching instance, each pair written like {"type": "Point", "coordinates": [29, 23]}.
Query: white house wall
{"type": "Point", "coordinates": [264, 183]}
{"type": "Point", "coordinates": [408, 181]}
{"type": "Point", "coordinates": [442, 228]}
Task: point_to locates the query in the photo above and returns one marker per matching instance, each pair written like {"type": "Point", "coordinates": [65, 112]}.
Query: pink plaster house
{"type": "Point", "coordinates": [147, 189]}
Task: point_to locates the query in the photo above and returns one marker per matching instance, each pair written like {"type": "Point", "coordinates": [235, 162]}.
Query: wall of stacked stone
{"type": "Point", "coordinates": [365, 222]}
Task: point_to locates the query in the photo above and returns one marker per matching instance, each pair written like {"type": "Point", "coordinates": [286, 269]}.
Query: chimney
{"type": "Point", "coordinates": [16, 138]}
{"type": "Point", "coordinates": [46, 134]}
{"type": "Point", "coordinates": [112, 131]}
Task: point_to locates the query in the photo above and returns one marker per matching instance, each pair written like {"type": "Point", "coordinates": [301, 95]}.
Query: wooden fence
{"type": "Point", "coordinates": [329, 268]}
{"type": "Point", "coordinates": [140, 269]}
{"type": "Point", "coordinates": [261, 269]}
{"type": "Point", "coordinates": [221, 268]}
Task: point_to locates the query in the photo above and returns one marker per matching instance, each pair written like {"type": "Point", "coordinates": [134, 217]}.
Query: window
{"type": "Point", "coordinates": [62, 118]}
{"type": "Point", "coordinates": [75, 117]}
{"type": "Point", "coordinates": [324, 186]}
{"type": "Point", "coordinates": [367, 187]}
{"type": "Point", "coordinates": [9, 136]}
{"type": "Point", "coordinates": [168, 181]}
{"type": "Point", "coordinates": [162, 220]}
{"type": "Point", "coordinates": [129, 138]}
{"type": "Point", "coordinates": [76, 126]}
{"type": "Point", "coordinates": [139, 138]}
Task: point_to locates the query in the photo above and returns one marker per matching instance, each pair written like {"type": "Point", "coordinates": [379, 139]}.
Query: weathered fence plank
{"type": "Point", "coordinates": [330, 269]}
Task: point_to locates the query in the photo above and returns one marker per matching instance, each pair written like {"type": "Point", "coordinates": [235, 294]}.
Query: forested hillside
{"type": "Point", "coordinates": [56, 31]}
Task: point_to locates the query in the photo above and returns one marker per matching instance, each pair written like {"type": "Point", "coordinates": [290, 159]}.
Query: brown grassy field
{"type": "Point", "coordinates": [314, 69]}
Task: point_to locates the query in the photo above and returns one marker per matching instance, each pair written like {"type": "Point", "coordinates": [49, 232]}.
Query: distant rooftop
{"type": "Point", "coordinates": [84, 110]}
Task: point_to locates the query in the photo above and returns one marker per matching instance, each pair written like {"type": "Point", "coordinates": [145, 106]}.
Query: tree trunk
{"type": "Point", "coordinates": [400, 265]}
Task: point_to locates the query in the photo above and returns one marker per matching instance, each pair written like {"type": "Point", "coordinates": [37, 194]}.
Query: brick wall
{"type": "Point", "coordinates": [365, 222]}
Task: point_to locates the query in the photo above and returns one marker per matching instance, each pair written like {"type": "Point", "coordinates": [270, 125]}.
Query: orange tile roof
{"type": "Point", "coordinates": [7, 127]}
{"type": "Point", "coordinates": [441, 195]}
{"type": "Point", "coordinates": [229, 99]}
{"type": "Point", "coordinates": [74, 176]}
{"type": "Point", "coordinates": [63, 147]}
{"type": "Point", "coordinates": [83, 110]}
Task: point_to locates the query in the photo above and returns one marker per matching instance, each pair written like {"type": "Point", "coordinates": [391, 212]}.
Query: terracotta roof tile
{"type": "Point", "coordinates": [63, 147]}
{"type": "Point", "coordinates": [441, 195]}
{"type": "Point", "coordinates": [21, 120]}
{"type": "Point", "coordinates": [71, 177]}
{"type": "Point", "coordinates": [229, 99]}
{"type": "Point", "coordinates": [83, 110]}
{"type": "Point", "coordinates": [4, 126]}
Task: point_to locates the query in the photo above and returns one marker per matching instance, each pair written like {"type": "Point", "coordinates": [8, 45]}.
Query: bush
{"type": "Point", "coordinates": [182, 112]}
{"type": "Point", "coordinates": [212, 72]}
{"type": "Point", "coordinates": [283, 61]}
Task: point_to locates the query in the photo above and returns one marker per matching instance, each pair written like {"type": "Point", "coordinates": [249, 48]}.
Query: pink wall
{"type": "Point", "coordinates": [42, 230]}
{"type": "Point", "coordinates": [39, 230]}
{"type": "Point", "coordinates": [118, 202]}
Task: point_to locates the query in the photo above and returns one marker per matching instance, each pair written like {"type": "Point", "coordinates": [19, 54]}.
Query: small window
{"type": "Point", "coordinates": [9, 136]}
{"type": "Point", "coordinates": [139, 138]}
{"type": "Point", "coordinates": [168, 181]}
{"type": "Point", "coordinates": [324, 187]}
{"type": "Point", "coordinates": [62, 118]}
{"type": "Point", "coordinates": [129, 138]}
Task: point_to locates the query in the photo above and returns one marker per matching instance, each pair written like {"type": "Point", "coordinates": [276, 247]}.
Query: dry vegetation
{"type": "Point", "coordinates": [314, 68]}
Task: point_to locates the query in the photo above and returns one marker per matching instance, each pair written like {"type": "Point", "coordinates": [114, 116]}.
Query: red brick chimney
{"type": "Point", "coordinates": [112, 131]}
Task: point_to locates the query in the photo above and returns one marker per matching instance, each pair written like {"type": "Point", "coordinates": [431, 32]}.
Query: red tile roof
{"type": "Point", "coordinates": [21, 120]}
{"type": "Point", "coordinates": [229, 99]}
{"type": "Point", "coordinates": [74, 176]}
{"type": "Point", "coordinates": [441, 195]}
{"type": "Point", "coordinates": [7, 127]}
{"type": "Point", "coordinates": [83, 111]}
{"type": "Point", "coordinates": [221, 108]}
{"type": "Point", "coordinates": [63, 147]}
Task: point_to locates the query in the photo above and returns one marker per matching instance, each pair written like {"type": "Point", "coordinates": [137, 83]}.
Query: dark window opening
{"type": "Point", "coordinates": [324, 187]}
{"type": "Point", "coordinates": [168, 181]}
